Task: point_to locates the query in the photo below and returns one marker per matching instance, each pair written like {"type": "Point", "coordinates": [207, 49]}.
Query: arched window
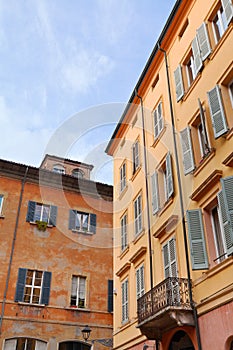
{"type": "Point", "coordinates": [78, 173]}
{"type": "Point", "coordinates": [231, 346]}
{"type": "Point", "coordinates": [58, 168]}
{"type": "Point", "coordinates": [24, 344]}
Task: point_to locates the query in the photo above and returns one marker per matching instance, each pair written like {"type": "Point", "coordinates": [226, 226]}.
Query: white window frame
{"type": "Point", "coordinates": [77, 292]}
{"type": "Point", "coordinates": [44, 210]}
{"type": "Point", "coordinates": [138, 214]}
{"type": "Point", "coordinates": [190, 70]}
{"type": "Point", "coordinates": [13, 344]}
{"type": "Point", "coordinates": [136, 156]}
{"type": "Point", "coordinates": [1, 203]}
{"type": "Point", "coordinates": [122, 177]}
{"type": "Point", "coordinates": [222, 27]}
{"type": "Point", "coordinates": [220, 255]}
{"type": "Point", "coordinates": [33, 286]}
{"type": "Point", "coordinates": [158, 120]}
{"type": "Point", "coordinates": [124, 235]}
{"type": "Point", "coordinates": [140, 281]}
{"type": "Point", "coordinates": [125, 300]}
{"type": "Point", "coordinates": [80, 217]}
{"type": "Point", "coordinates": [230, 89]}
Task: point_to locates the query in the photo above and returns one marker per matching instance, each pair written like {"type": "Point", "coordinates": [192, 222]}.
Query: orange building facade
{"type": "Point", "coordinates": [56, 256]}
{"type": "Point", "coordinates": [173, 189]}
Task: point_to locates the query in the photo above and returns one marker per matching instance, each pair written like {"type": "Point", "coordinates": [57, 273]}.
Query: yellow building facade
{"type": "Point", "coordinates": [173, 189]}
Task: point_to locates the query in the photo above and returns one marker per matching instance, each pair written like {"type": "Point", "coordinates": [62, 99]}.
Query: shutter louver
{"type": "Point", "coordinates": [196, 56]}
{"type": "Point", "coordinates": [169, 177]}
{"type": "Point", "coordinates": [217, 112]}
{"type": "Point", "coordinates": [228, 9]}
{"type": "Point", "coordinates": [155, 192]}
{"type": "Point", "coordinates": [110, 295]}
{"type": "Point", "coordinates": [179, 83]}
{"type": "Point", "coordinates": [72, 219]}
{"type": "Point", "coordinates": [197, 240]}
{"type": "Point", "coordinates": [227, 191]}
{"type": "Point", "coordinates": [53, 215]}
{"type": "Point", "coordinates": [19, 295]}
{"type": "Point", "coordinates": [187, 151]}
{"type": "Point", "coordinates": [203, 40]}
{"type": "Point", "coordinates": [172, 251]}
{"type": "Point", "coordinates": [227, 229]}
{"type": "Point", "coordinates": [31, 211]}
{"type": "Point", "coordinates": [46, 288]}
{"type": "Point", "coordinates": [93, 223]}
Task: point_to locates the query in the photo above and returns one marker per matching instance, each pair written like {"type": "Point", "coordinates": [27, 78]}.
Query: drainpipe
{"type": "Point", "coordinates": [12, 249]}
{"type": "Point", "coordinates": [147, 199]}
{"type": "Point", "coordinates": [182, 204]}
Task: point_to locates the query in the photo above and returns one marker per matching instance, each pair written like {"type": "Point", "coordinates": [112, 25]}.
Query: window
{"type": "Point", "coordinates": [218, 234]}
{"type": "Point", "coordinates": [230, 88]}
{"type": "Point", "coordinates": [78, 292]}
{"type": "Point", "coordinates": [155, 192]}
{"type": "Point", "coordinates": [138, 215]}
{"type": "Point", "coordinates": [110, 295]}
{"type": "Point", "coordinates": [169, 258]}
{"type": "Point", "coordinates": [41, 212]}
{"type": "Point", "coordinates": [158, 120]}
{"type": "Point", "coordinates": [140, 284]}
{"type": "Point", "coordinates": [125, 301]}
{"type": "Point", "coordinates": [81, 221]}
{"type": "Point", "coordinates": [124, 238]}
{"type": "Point", "coordinates": [222, 18]}
{"type": "Point", "coordinates": [78, 173]}
{"type": "Point", "coordinates": [190, 70]}
{"type": "Point", "coordinates": [33, 287]}
{"type": "Point", "coordinates": [122, 177]}
{"type": "Point", "coordinates": [1, 203]}
{"type": "Point", "coordinates": [136, 160]}
{"type": "Point", "coordinates": [24, 344]}
{"type": "Point", "coordinates": [57, 168]}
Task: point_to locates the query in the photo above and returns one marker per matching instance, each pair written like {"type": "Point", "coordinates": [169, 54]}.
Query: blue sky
{"type": "Point", "coordinates": [62, 58]}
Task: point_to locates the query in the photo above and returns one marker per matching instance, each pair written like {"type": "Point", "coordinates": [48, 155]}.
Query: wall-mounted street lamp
{"type": "Point", "coordinates": [86, 331]}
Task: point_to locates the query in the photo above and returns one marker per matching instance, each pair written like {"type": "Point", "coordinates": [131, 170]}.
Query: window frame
{"type": "Point", "coordinates": [51, 216]}
{"type": "Point", "coordinates": [136, 156]}
{"type": "Point", "coordinates": [219, 30]}
{"type": "Point", "coordinates": [230, 90]}
{"type": "Point", "coordinates": [140, 281]}
{"type": "Point", "coordinates": [125, 301]}
{"type": "Point", "coordinates": [73, 220]}
{"type": "Point", "coordinates": [75, 299]}
{"type": "Point", "coordinates": [138, 214]}
{"type": "Point", "coordinates": [124, 233]}
{"type": "Point", "coordinates": [218, 233]}
{"type": "Point", "coordinates": [59, 169]}
{"type": "Point", "coordinates": [1, 203]}
{"type": "Point", "coordinates": [123, 177]}
{"type": "Point", "coordinates": [158, 120]}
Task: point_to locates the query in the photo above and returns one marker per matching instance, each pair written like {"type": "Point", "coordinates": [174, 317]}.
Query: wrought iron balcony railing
{"type": "Point", "coordinates": [173, 292]}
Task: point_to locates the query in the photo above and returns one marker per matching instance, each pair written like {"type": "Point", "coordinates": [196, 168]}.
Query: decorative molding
{"type": "Point", "coordinates": [206, 185]}
{"type": "Point", "coordinates": [141, 251]}
{"type": "Point", "coordinates": [123, 269]}
{"type": "Point", "coordinates": [228, 161]}
{"type": "Point", "coordinates": [167, 225]}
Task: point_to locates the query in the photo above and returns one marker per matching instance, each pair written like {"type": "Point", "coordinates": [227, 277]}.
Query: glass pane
{"type": "Point", "coordinates": [36, 296]}
{"type": "Point", "coordinates": [29, 277]}
{"type": "Point", "coordinates": [37, 215]}
{"type": "Point", "coordinates": [85, 222]}
{"type": "Point", "coordinates": [38, 278]}
{"type": "Point", "coordinates": [27, 294]}
{"type": "Point", "coordinates": [45, 213]}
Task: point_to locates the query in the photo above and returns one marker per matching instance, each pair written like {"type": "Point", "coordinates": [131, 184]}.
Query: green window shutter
{"type": "Point", "coordinates": [187, 151]}
{"type": "Point", "coordinates": [19, 295]}
{"type": "Point", "coordinates": [46, 287]}
{"type": "Point", "coordinates": [227, 211]}
{"type": "Point", "coordinates": [110, 295]}
{"type": "Point", "coordinates": [196, 55]}
{"type": "Point", "coordinates": [72, 219]}
{"type": "Point", "coordinates": [169, 177]}
{"type": "Point", "coordinates": [228, 9]}
{"type": "Point", "coordinates": [197, 239]}
{"type": "Point", "coordinates": [179, 83]}
{"type": "Point", "coordinates": [155, 192]}
{"type": "Point", "coordinates": [53, 215]}
{"type": "Point", "coordinates": [93, 223]}
{"type": "Point", "coordinates": [31, 211]}
{"type": "Point", "coordinates": [217, 112]}
{"type": "Point", "coordinates": [203, 40]}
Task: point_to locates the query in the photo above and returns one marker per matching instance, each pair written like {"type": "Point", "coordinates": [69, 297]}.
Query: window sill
{"type": "Point", "coordinates": [88, 233]}
{"type": "Point", "coordinates": [34, 223]}
{"type": "Point", "coordinates": [122, 192]}
{"type": "Point", "coordinates": [204, 161]}
{"type": "Point", "coordinates": [136, 172]}
{"type": "Point", "coordinates": [124, 252]}
{"type": "Point", "coordinates": [138, 236]}
{"type": "Point", "coordinates": [191, 87]}
{"type": "Point", "coordinates": [166, 205]}
{"type": "Point", "coordinates": [157, 139]}
{"type": "Point", "coordinates": [30, 304]}
{"type": "Point", "coordinates": [75, 308]}
{"type": "Point", "coordinates": [2, 216]}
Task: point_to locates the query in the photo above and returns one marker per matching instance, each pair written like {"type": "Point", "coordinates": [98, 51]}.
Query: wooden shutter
{"type": "Point", "coordinates": [53, 215]}
{"type": "Point", "coordinates": [217, 112]}
{"type": "Point", "coordinates": [196, 55]}
{"type": "Point", "coordinates": [93, 223]}
{"type": "Point", "coordinates": [19, 295]}
{"type": "Point", "coordinates": [72, 219]}
{"type": "Point", "coordinates": [203, 40]}
{"type": "Point", "coordinates": [225, 198]}
{"type": "Point", "coordinates": [197, 240]}
{"type": "Point", "coordinates": [228, 9]}
{"type": "Point", "coordinates": [31, 211]}
{"type": "Point", "coordinates": [187, 150]}
{"type": "Point", "coordinates": [169, 177]}
{"type": "Point", "coordinates": [46, 287]}
{"type": "Point", "coordinates": [155, 192]}
{"type": "Point", "coordinates": [110, 295]}
{"type": "Point", "coordinates": [179, 83]}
